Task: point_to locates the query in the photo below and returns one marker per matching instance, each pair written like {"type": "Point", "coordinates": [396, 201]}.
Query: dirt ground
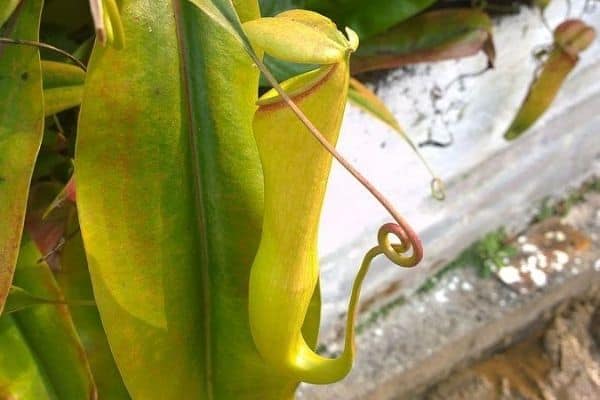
{"type": "Point", "coordinates": [560, 362]}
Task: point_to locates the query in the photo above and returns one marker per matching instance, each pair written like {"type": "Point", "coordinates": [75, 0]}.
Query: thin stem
{"type": "Point", "coordinates": [46, 46]}
{"type": "Point", "coordinates": [437, 184]}
{"type": "Point", "coordinates": [355, 298]}
{"type": "Point", "coordinates": [42, 301]}
{"type": "Point", "coordinates": [463, 76]}
{"type": "Point", "coordinates": [77, 303]}
{"type": "Point", "coordinates": [58, 246]}
{"type": "Point", "coordinates": [58, 124]}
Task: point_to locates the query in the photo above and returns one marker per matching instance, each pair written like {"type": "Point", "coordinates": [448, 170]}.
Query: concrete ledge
{"type": "Point", "coordinates": [422, 340]}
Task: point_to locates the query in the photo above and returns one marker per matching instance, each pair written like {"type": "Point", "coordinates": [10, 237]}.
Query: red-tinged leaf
{"type": "Point", "coordinates": [571, 37]}
{"type": "Point", "coordinates": [47, 232]}
{"type": "Point", "coordinates": [433, 36]}
{"type": "Point", "coordinates": [22, 116]}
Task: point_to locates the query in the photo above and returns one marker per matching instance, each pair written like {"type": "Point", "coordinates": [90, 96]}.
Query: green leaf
{"type": "Point", "coordinates": [58, 74]}
{"type": "Point", "coordinates": [288, 56]}
{"type": "Point", "coordinates": [270, 8]}
{"type": "Point", "coordinates": [63, 86]}
{"type": "Point", "coordinates": [82, 52]}
{"type": "Point", "coordinates": [368, 18]}
{"type": "Point", "coordinates": [298, 85]}
{"type": "Point", "coordinates": [362, 97]}
{"type": "Point", "coordinates": [283, 70]}
{"type": "Point", "coordinates": [365, 99]}
{"type": "Point", "coordinates": [49, 330]}
{"type": "Point", "coordinates": [19, 299]}
{"type": "Point", "coordinates": [223, 13]}
{"type": "Point", "coordinates": [542, 4]}
{"type": "Point", "coordinates": [74, 280]}
{"type": "Point", "coordinates": [49, 225]}
{"type": "Point", "coordinates": [6, 10]}
{"type": "Point", "coordinates": [433, 36]}
{"type": "Point", "coordinates": [302, 37]}
{"type": "Point", "coordinates": [22, 116]}
{"type": "Point", "coordinates": [170, 233]}
{"type": "Point", "coordinates": [62, 98]}
{"type": "Point", "coordinates": [21, 376]}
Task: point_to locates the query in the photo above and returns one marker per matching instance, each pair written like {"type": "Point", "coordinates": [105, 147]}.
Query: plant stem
{"type": "Point", "coordinates": [46, 46]}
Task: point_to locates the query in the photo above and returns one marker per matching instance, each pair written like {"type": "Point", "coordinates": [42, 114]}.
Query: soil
{"type": "Point", "coordinates": [560, 362]}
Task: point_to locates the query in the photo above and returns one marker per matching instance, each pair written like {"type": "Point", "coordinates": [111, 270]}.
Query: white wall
{"type": "Point", "coordinates": [490, 182]}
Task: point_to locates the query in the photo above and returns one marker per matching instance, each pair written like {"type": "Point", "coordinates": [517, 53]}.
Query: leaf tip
{"type": "Point", "coordinates": [511, 135]}
{"type": "Point", "coordinates": [353, 39]}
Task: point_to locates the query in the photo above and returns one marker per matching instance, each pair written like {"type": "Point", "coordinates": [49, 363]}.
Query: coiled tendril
{"type": "Point", "coordinates": [320, 370]}
{"type": "Point", "coordinates": [396, 252]}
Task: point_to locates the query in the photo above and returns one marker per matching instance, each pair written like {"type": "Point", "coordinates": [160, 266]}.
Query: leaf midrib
{"type": "Point", "coordinates": [199, 211]}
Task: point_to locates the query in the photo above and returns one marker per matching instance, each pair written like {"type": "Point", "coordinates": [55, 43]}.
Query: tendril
{"type": "Point", "coordinates": [36, 300]}
{"type": "Point", "coordinates": [46, 46]}
{"type": "Point", "coordinates": [409, 239]}
{"type": "Point", "coordinates": [57, 248]}
{"type": "Point", "coordinates": [396, 252]}
{"type": "Point", "coordinates": [438, 190]}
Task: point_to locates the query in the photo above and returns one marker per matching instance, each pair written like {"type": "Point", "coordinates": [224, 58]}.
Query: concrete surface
{"type": "Point", "coordinates": [421, 340]}
{"type": "Point", "coordinates": [489, 182]}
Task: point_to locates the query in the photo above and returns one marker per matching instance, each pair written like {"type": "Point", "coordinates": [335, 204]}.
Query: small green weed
{"type": "Point", "coordinates": [485, 255]}
{"type": "Point", "coordinates": [488, 254]}
{"type": "Point", "coordinates": [559, 208]}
